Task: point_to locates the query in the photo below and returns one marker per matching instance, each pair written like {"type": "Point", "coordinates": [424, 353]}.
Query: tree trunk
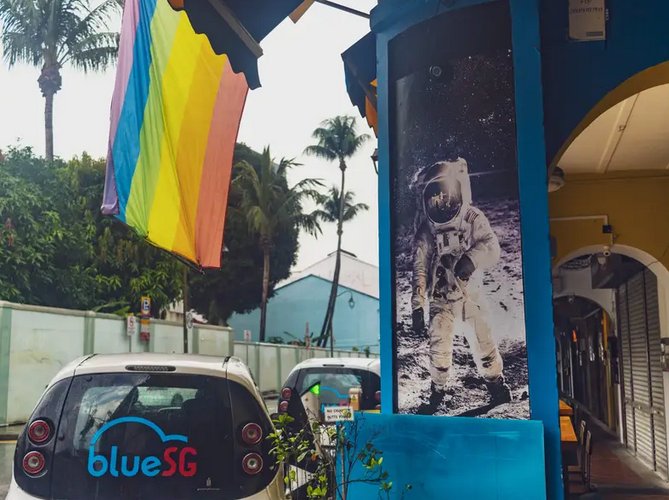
{"type": "Point", "coordinates": [265, 291]}
{"type": "Point", "coordinates": [186, 308]}
{"type": "Point", "coordinates": [48, 125]}
{"type": "Point", "coordinates": [335, 279]}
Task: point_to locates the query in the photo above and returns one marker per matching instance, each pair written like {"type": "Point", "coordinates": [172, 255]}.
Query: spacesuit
{"type": "Point", "coordinates": [453, 241]}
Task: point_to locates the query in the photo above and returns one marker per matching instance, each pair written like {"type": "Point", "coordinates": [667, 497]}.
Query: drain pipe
{"type": "Point", "coordinates": [605, 218]}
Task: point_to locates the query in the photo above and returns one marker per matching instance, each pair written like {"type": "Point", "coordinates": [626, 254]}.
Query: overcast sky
{"type": "Point", "coordinates": [302, 79]}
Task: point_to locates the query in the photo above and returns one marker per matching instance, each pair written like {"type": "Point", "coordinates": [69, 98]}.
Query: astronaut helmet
{"type": "Point", "coordinates": [444, 189]}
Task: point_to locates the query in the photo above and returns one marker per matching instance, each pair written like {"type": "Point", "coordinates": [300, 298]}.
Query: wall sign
{"type": "Point", "coordinates": [587, 20]}
{"type": "Point", "coordinates": [459, 304]}
{"type": "Point", "coordinates": [131, 326]}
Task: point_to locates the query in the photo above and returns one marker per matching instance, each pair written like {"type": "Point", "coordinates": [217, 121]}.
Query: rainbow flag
{"type": "Point", "coordinates": [175, 115]}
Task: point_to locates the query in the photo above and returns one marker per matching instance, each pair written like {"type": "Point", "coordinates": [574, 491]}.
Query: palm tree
{"type": "Point", "coordinates": [270, 205]}
{"type": "Point", "coordinates": [331, 205]}
{"type": "Point", "coordinates": [52, 33]}
{"type": "Point", "coordinates": [337, 142]}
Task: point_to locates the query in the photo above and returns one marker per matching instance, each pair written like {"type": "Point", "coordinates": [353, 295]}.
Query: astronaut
{"type": "Point", "coordinates": [453, 242]}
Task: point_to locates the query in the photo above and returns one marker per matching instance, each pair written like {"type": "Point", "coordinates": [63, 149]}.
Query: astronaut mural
{"type": "Point", "coordinates": [460, 327]}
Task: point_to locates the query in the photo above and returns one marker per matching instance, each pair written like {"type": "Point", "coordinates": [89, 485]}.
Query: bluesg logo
{"type": "Point", "coordinates": [176, 460]}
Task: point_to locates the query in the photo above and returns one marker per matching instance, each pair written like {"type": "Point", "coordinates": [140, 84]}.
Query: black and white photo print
{"type": "Point", "coordinates": [459, 308]}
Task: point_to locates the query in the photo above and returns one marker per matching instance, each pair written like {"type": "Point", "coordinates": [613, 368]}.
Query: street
{"type": "Point", "coordinates": [6, 456]}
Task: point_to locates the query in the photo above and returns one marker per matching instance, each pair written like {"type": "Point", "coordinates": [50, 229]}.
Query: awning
{"type": "Point", "coordinates": [236, 27]}
{"type": "Point", "coordinates": [360, 73]}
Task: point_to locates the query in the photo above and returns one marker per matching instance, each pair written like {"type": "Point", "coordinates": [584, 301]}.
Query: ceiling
{"type": "Point", "coordinates": [632, 135]}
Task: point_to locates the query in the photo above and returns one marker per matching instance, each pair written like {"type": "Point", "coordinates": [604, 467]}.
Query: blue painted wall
{"type": "Point", "coordinates": [305, 301]}
{"type": "Point", "coordinates": [451, 458]}
{"type": "Point", "coordinates": [577, 75]}
{"type": "Point", "coordinates": [389, 19]}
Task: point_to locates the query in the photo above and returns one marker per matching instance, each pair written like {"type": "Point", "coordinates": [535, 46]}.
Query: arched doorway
{"type": "Point", "coordinates": [612, 353]}
{"type": "Point", "coordinates": [582, 331]}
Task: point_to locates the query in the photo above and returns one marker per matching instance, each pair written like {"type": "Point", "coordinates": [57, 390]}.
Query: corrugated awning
{"type": "Point", "coordinates": [360, 74]}
{"type": "Point", "coordinates": [236, 27]}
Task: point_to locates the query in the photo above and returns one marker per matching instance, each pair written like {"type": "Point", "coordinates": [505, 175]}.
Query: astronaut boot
{"type": "Point", "coordinates": [437, 395]}
{"type": "Point", "coordinates": [499, 391]}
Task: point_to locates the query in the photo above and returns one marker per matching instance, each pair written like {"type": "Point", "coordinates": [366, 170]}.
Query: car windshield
{"type": "Point", "coordinates": [334, 384]}
{"type": "Point", "coordinates": [146, 436]}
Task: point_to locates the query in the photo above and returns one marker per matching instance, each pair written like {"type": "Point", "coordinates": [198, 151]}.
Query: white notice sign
{"type": "Point", "coordinates": [132, 326]}
{"type": "Point", "coordinates": [247, 335]}
{"type": "Point", "coordinates": [338, 413]}
{"type": "Point", "coordinates": [587, 20]}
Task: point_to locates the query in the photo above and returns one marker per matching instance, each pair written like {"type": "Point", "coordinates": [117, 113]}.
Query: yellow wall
{"type": "Point", "coordinates": [637, 205]}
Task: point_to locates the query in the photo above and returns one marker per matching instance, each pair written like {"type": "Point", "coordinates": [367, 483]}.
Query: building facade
{"type": "Point", "coordinates": [299, 305]}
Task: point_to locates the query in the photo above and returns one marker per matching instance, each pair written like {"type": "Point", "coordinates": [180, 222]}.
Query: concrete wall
{"type": "Point", "coordinates": [579, 283]}
{"type": "Point", "coordinates": [636, 203]}
{"type": "Point", "coordinates": [637, 207]}
{"type": "Point", "coordinates": [305, 301]}
{"type": "Point", "coordinates": [36, 342]}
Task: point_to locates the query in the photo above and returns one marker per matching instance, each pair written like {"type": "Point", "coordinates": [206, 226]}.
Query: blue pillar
{"type": "Point", "coordinates": [389, 19]}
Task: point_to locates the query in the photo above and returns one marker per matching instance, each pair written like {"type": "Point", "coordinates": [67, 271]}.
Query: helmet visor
{"type": "Point", "coordinates": [442, 200]}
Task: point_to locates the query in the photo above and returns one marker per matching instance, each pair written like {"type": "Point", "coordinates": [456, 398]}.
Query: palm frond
{"type": "Point", "coordinates": [321, 152]}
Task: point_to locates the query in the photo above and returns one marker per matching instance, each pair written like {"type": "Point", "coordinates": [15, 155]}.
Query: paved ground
{"type": "Point", "coordinates": [6, 456]}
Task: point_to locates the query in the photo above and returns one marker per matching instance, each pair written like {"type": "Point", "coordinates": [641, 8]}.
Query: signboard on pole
{"type": "Point", "coordinates": [132, 326]}
{"type": "Point", "coordinates": [145, 321]}
{"type": "Point", "coordinates": [189, 320]}
{"type": "Point", "coordinates": [247, 335]}
{"type": "Point", "coordinates": [145, 329]}
{"type": "Point", "coordinates": [146, 306]}
{"type": "Point", "coordinates": [587, 20]}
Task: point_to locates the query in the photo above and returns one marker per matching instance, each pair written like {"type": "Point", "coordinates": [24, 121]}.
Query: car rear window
{"type": "Point", "coordinates": [335, 383]}
{"type": "Point", "coordinates": [146, 436]}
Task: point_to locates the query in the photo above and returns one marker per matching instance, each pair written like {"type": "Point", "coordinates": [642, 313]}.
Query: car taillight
{"type": "Point", "coordinates": [283, 406]}
{"type": "Point", "coordinates": [39, 432]}
{"type": "Point", "coordinates": [252, 433]}
{"type": "Point", "coordinates": [33, 463]}
{"type": "Point", "coordinates": [252, 464]}
{"type": "Point", "coordinates": [377, 395]}
{"type": "Point", "coordinates": [286, 393]}
{"type": "Point", "coordinates": [378, 407]}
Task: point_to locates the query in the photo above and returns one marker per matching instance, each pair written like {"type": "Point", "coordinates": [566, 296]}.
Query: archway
{"type": "Point", "coordinates": [629, 353]}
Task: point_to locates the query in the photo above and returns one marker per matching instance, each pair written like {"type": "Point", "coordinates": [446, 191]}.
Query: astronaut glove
{"type": "Point", "coordinates": [418, 319]}
{"type": "Point", "coordinates": [464, 268]}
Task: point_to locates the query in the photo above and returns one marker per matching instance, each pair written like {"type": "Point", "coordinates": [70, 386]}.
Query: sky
{"type": "Point", "coordinates": [302, 78]}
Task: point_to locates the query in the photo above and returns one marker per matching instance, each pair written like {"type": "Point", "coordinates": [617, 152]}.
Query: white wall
{"type": "Point", "coordinates": [36, 342]}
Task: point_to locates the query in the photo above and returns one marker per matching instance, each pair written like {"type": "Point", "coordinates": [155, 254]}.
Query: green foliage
{"type": "Point", "coordinates": [57, 32]}
{"type": "Point", "coordinates": [271, 207]}
{"type": "Point", "coordinates": [336, 470]}
{"type": "Point", "coordinates": [56, 249]}
{"type": "Point", "coordinates": [330, 203]}
{"type": "Point", "coordinates": [50, 34]}
{"type": "Point", "coordinates": [337, 140]}
{"type": "Point", "coordinates": [236, 287]}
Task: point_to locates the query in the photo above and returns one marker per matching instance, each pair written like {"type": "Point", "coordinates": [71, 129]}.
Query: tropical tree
{"type": "Point", "coordinates": [337, 141]}
{"type": "Point", "coordinates": [329, 211]}
{"type": "Point", "coordinates": [330, 205]}
{"type": "Point", "coordinates": [270, 206]}
{"type": "Point", "coordinates": [58, 250]}
{"type": "Point", "coordinates": [50, 34]}
{"type": "Point", "coordinates": [218, 293]}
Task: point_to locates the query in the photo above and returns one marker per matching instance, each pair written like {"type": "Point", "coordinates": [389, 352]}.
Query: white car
{"type": "Point", "coordinates": [148, 427]}
{"type": "Point", "coordinates": [332, 379]}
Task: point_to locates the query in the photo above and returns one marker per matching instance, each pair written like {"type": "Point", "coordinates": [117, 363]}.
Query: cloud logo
{"type": "Point", "coordinates": [99, 465]}
{"type": "Point", "coordinates": [138, 420]}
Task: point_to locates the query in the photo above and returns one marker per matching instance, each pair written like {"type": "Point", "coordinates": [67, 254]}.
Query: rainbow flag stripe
{"type": "Point", "coordinates": [175, 115]}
